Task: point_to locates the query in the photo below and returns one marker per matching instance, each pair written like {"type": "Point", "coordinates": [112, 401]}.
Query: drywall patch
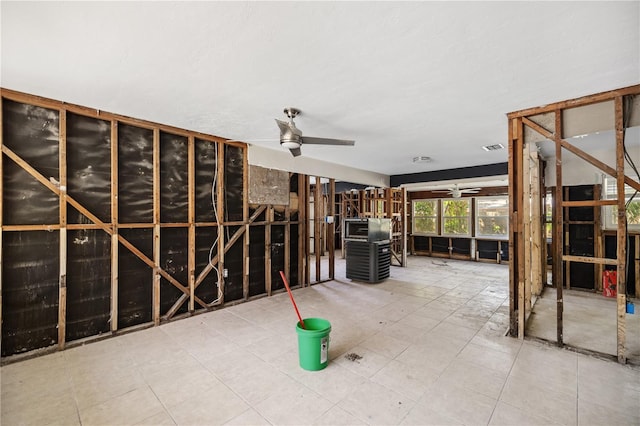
{"type": "Point", "coordinates": [268, 186]}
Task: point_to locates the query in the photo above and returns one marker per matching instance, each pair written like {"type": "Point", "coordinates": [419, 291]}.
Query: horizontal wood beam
{"type": "Point", "coordinates": [587, 259]}
{"type": "Point", "coordinates": [589, 203]}
{"type": "Point", "coordinates": [573, 103]}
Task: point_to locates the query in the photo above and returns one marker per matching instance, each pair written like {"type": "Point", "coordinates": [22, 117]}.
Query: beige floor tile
{"type": "Point", "coordinates": [161, 419]}
{"type": "Point", "coordinates": [333, 382]}
{"type": "Point", "coordinates": [455, 402]}
{"type": "Point", "coordinates": [100, 386]}
{"type": "Point", "coordinates": [181, 382]}
{"type": "Point", "coordinates": [487, 357]}
{"type": "Point", "coordinates": [469, 376]}
{"type": "Point", "coordinates": [257, 384]}
{"type": "Point", "coordinates": [385, 343]}
{"type": "Point", "coordinates": [249, 418]}
{"type": "Point", "coordinates": [540, 401]}
{"type": "Point", "coordinates": [375, 404]}
{"type": "Point", "coordinates": [590, 413]}
{"type": "Point", "coordinates": [214, 406]}
{"type": "Point", "coordinates": [507, 415]}
{"type": "Point", "coordinates": [39, 408]}
{"type": "Point", "coordinates": [130, 408]}
{"type": "Point", "coordinates": [338, 417]}
{"type": "Point", "coordinates": [297, 405]}
{"type": "Point", "coordinates": [411, 382]}
{"type": "Point", "coordinates": [423, 415]}
{"type": "Point", "coordinates": [367, 365]}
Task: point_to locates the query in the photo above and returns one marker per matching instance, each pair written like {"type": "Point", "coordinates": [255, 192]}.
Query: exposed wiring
{"type": "Point", "coordinates": [217, 218]}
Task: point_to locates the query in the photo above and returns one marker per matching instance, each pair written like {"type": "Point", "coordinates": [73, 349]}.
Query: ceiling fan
{"type": "Point", "coordinates": [456, 192]}
{"type": "Point", "coordinates": [292, 139]}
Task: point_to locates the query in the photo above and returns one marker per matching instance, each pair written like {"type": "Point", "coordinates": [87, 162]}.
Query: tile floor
{"type": "Point", "coordinates": [433, 351]}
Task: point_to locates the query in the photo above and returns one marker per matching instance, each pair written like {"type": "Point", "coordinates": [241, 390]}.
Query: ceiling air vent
{"type": "Point", "coordinates": [493, 147]}
{"type": "Point", "coordinates": [421, 159]}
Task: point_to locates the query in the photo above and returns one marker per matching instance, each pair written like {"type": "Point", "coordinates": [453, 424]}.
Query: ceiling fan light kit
{"type": "Point", "coordinates": [291, 137]}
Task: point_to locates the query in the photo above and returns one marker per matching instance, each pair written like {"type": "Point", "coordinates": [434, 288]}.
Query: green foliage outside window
{"type": "Point", "coordinates": [425, 217]}
{"type": "Point", "coordinates": [455, 217]}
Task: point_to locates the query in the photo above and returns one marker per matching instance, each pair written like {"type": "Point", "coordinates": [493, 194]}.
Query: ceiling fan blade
{"type": "Point", "coordinates": [324, 141]}
{"type": "Point", "coordinates": [296, 152]}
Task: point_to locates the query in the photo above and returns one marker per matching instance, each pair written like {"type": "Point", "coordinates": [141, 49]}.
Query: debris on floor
{"type": "Point", "coordinates": [443, 263]}
{"type": "Point", "coordinates": [353, 357]}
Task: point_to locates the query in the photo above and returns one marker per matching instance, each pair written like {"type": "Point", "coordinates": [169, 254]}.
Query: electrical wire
{"type": "Point", "coordinates": [217, 218]}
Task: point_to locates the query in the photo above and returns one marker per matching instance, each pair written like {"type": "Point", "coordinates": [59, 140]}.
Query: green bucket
{"type": "Point", "coordinates": [313, 343]}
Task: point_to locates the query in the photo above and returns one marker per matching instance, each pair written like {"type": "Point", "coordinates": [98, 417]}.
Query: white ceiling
{"type": "Point", "coordinates": [403, 79]}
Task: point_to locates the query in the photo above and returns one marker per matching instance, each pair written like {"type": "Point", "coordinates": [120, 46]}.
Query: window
{"type": "Point", "coordinates": [455, 217]}
{"type": "Point", "coordinates": [425, 217]}
{"type": "Point", "coordinates": [611, 212]}
{"type": "Point", "coordinates": [492, 217]}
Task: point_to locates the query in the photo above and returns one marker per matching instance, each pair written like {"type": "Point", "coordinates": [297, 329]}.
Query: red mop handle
{"type": "Point", "coordinates": [286, 284]}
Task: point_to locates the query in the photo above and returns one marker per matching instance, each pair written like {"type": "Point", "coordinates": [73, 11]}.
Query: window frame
{"type": "Point", "coordinates": [436, 217]}
{"type": "Point", "coordinates": [443, 218]}
{"type": "Point", "coordinates": [609, 190]}
{"type": "Point", "coordinates": [478, 215]}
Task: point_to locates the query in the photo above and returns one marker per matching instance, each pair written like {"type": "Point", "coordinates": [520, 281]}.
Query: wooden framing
{"type": "Point", "coordinates": [518, 195]}
{"type": "Point", "coordinates": [119, 242]}
{"type": "Point", "coordinates": [389, 203]}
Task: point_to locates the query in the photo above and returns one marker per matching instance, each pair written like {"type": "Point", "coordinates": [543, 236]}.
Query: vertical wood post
{"type": "Point", "coordinates": [221, 219]}
{"type": "Point", "coordinates": [245, 219]}
{"type": "Point", "coordinates": [537, 239]}
{"type": "Point", "coordinates": [331, 229]}
{"type": "Point", "coordinates": [302, 228]}
{"type": "Point", "coordinates": [156, 228]}
{"type": "Point", "coordinates": [622, 234]}
{"type": "Point", "coordinates": [558, 233]}
{"type": "Point", "coordinates": [267, 250]}
{"type": "Point", "coordinates": [114, 222]}
{"type": "Point", "coordinates": [317, 225]}
{"type": "Point", "coordinates": [525, 298]}
{"type": "Point", "coordinates": [62, 166]}
{"type": "Point", "coordinates": [307, 245]}
{"type": "Point", "coordinates": [191, 213]}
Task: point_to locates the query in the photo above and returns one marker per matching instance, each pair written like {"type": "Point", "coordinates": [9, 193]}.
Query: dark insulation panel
{"type": "Point", "coordinates": [135, 279]}
{"type": "Point", "coordinates": [32, 133]}
{"type": "Point", "coordinates": [174, 250]}
{"type": "Point", "coordinates": [420, 243]}
{"type": "Point", "coordinates": [89, 166]}
{"type": "Point", "coordinates": [30, 275]}
{"type": "Point", "coordinates": [277, 256]}
{"type": "Point", "coordinates": [461, 246]}
{"type": "Point", "coordinates": [581, 193]}
{"type": "Point", "coordinates": [233, 262]}
{"type": "Point", "coordinates": [135, 174]}
{"type": "Point", "coordinates": [88, 283]}
{"type": "Point", "coordinates": [440, 245]}
{"type": "Point", "coordinates": [256, 260]}
{"type": "Point", "coordinates": [234, 191]}
{"type": "Point", "coordinates": [205, 180]}
{"type": "Point", "coordinates": [206, 249]}
{"type": "Point", "coordinates": [174, 179]}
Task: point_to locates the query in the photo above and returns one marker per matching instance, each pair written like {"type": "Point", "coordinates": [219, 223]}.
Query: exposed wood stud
{"type": "Point", "coordinates": [156, 228]}
{"type": "Point", "coordinates": [330, 229]}
{"type": "Point", "coordinates": [114, 221]}
{"type": "Point", "coordinates": [558, 233]}
{"type": "Point", "coordinates": [622, 234]}
{"type": "Point", "coordinates": [191, 214]}
{"type": "Point", "coordinates": [317, 226]}
{"type": "Point", "coordinates": [62, 206]}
